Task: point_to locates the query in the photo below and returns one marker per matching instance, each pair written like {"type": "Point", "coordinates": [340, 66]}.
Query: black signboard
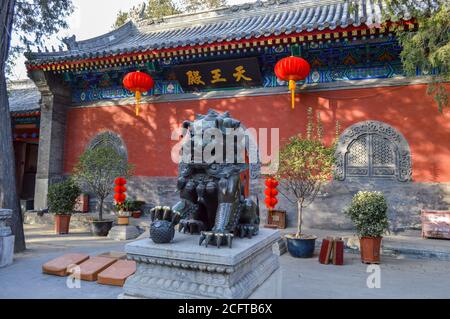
{"type": "Point", "coordinates": [219, 74]}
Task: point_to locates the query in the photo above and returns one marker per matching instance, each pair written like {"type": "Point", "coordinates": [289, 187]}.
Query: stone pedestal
{"type": "Point", "coordinates": [185, 270]}
{"type": "Point", "coordinates": [6, 239]}
{"type": "Point", "coordinates": [124, 232]}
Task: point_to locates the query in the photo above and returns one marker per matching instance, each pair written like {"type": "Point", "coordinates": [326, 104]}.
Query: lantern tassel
{"type": "Point", "coordinates": [138, 101]}
{"type": "Point", "coordinates": [292, 85]}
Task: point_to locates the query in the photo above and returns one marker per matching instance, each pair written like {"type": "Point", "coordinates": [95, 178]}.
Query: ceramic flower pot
{"type": "Point", "coordinates": [301, 247]}
{"type": "Point", "coordinates": [62, 223]}
{"type": "Point", "coordinates": [123, 220]}
{"type": "Point", "coordinates": [101, 228]}
{"type": "Point", "coordinates": [136, 214]}
{"type": "Point", "coordinates": [370, 249]}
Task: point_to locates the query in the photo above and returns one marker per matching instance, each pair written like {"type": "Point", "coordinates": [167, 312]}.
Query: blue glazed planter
{"type": "Point", "coordinates": [301, 248]}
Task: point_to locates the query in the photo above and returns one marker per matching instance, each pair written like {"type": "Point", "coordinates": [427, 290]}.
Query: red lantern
{"type": "Point", "coordinates": [120, 190]}
{"type": "Point", "coordinates": [138, 82]}
{"type": "Point", "coordinates": [120, 197]}
{"type": "Point", "coordinates": [292, 69]}
{"type": "Point", "coordinates": [120, 181]}
{"type": "Point", "coordinates": [271, 192]}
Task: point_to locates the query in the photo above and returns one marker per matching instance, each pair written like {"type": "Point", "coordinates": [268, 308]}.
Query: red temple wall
{"type": "Point", "coordinates": [147, 137]}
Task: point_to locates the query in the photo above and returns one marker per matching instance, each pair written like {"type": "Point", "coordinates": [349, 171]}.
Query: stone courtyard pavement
{"type": "Point", "coordinates": [401, 277]}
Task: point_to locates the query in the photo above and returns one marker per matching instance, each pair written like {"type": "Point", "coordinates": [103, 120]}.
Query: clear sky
{"type": "Point", "coordinates": [91, 18]}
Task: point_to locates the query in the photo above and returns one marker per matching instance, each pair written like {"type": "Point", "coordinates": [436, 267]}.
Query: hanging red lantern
{"type": "Point", "coordinates": [292, 69]}
{"type": "Point", "coordinates": [271, 192]}
{"type": "Point", "coordinates": [138, 83]}
{"type": "Point", "coordinates": [120, 198]}
{"type": "Point", "coordinates": [120, 190]}
{"type": "Point", "coordinates": [120, 181]}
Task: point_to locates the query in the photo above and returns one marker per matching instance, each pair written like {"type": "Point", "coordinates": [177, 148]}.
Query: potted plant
{"type": "Point", "coordinates": [61, 199]}
{"type": "Point", "coordinates": [96, 170]}
{"type": "Point", "coordinates": [368, 211]}
{"type": "Point", "coordinates": [123, 212]}
{"type": "Point", "coordinates": [305, 164]}
{"type": "Point", "coordinates": [136, 208]}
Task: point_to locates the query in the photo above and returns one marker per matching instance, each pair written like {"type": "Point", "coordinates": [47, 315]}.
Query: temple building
{"type": "Point", "coordinates": [392, 137]}
{"type": "Point", "coordinates": [25, 111]}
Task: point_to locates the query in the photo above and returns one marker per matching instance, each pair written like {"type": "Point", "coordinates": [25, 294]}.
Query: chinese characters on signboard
{"type": "Point", "coordinates": [219, 74]}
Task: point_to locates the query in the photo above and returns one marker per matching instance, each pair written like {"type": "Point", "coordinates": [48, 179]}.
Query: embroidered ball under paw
{"type": "Point", "coordinates": [162, 231]}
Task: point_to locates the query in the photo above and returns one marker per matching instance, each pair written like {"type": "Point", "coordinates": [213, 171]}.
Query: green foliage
{"type": "Point", "coordinates": [157, 9]}
{"type": "Point", "coordinates": [126, 206]}
{"type": "Point", "coordinates": [428, 48]}
{"type": "Point", "coordinates": [368, 211]}
{"type": "Point", "coordinates": [305, 164]}
{"type": "Point", "coordinates": [61, 197]}
{"type": "Point", "coordinates": [154, 9]}
{"type": "Point", "coordinates": [97, 168]}
{"type": "Point", "coordinates": [35, 21]}
{"type": "Point", "coordinates": [197, 5]}
{"type": "Point", "coordinates": [121, 19]}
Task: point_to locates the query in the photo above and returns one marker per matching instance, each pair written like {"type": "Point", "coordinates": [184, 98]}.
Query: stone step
{"type": "Point", "coordinates": [116, 274]}
{"type": "Point", "coordinates": [59, 266]}
{"type": "Point", "coordinates": [90, 269]}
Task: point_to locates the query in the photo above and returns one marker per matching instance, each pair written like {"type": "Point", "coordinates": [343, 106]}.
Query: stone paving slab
{"type": "Point", "coordinates": [117, 273]}
{"type": "Point", "coordinates": [59, 266]}
{"type": "Point", "coordinates": [90, 269]}
{"type": "Point", "coordinates": [401, 276]}
{"type": "Point", "coordinates": [114, 254]}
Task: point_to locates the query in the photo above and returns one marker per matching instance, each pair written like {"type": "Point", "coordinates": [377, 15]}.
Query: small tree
{"type": "Point", "coordinates": [305, 164]}
{"type": "Point", "coordinates": [97, 168]}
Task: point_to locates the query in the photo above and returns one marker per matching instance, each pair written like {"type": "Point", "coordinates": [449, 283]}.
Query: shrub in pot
{"type": "Point", "coordinates": [305, 164]}
{"type": "Point", "coordinates": [61, 198]}
{"type": "Point", "coordinates": [96, 170]}
{"type": "Point", "coordinates": [136, 208]}
{"type": "Point", "coordinates": [368, 211]}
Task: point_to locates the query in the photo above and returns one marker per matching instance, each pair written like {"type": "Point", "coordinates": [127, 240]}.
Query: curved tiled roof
{"type": "Point", "coordinates": [251, 20]}
{"type": "Point", "coordinates": [23, 97]}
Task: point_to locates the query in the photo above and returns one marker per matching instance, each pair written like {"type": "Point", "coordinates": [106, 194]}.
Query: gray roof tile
{"type": "Point", "coordinates": [23, 96]}
{"type": "Point", "coordinates": [251, 20]}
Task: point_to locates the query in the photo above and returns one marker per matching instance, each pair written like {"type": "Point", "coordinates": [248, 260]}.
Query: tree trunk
{"type": "Point", "coordinates": [100, 210]}
{"type": "Point", "coordinates": [8, 191]}
{"type": "Point", "coordinates": [300, 218]}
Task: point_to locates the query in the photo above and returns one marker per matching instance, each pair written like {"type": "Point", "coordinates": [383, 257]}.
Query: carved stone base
{"type": "Point", "coordinates": [124, 232]}
{"type": "Point", "coordinates": [183, 269]}
{"type": "Point", "coordinates": [6, 250]}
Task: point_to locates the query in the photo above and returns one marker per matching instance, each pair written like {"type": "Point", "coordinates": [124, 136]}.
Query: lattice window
{"type": "Point", "coordinates": [373, 149]}
{"type": "Point", "coordinates": [371, 155]}
{"type": "Point", "coordinates": [109, 139]}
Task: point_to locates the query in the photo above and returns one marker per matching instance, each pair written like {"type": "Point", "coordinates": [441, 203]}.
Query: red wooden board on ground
{"type": "Point", "coordinates": [90, 269]}
{"type": "Point", "coordinates": [338, 252]}
{"type": "Point", "coordinates": [116, 274]}
{"type": "Point", "coordinates": [58, 266]}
